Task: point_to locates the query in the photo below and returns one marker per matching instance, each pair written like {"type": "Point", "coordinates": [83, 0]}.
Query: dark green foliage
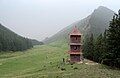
{"type": "Point", "coordinates": [113, 42]}
{"type": "Point", "coordinates": [100, 48]}
{"type": "Point", "coordinates": [95, 48]}
{"type": "Point", "coordinates": [9, 41]}
{"type": "Point", "coordinates": [88, 47]}
{"type": "Point", "coordinates": [106, 47]}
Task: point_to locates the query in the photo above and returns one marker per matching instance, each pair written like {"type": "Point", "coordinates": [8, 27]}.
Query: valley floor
{"type": "Point", "coordinates": [46, 62]}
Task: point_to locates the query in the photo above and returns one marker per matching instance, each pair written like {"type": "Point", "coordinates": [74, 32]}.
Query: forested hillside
{"type": "Point", "coordinates": [10, 41]}
{"type": "Point", "coordinates": [105, 48]}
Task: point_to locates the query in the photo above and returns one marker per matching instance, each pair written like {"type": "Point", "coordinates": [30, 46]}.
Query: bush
{"type": "Point", "coordinates": [63, 69]}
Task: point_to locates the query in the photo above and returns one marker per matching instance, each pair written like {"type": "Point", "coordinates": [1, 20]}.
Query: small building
{"type": "Point", "coordinates": [75, 45]}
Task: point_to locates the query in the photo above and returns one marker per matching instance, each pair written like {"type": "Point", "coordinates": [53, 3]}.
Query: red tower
{"type": "Point", "coordinates": [75, 45]}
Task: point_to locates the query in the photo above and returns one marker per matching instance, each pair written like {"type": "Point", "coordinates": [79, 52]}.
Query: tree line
{"type": "Point", "coordinates": [10, 41]}
{"type": "Point", "coordinates": [105, 48]}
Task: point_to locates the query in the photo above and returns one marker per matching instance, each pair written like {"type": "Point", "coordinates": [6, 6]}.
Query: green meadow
{"type": "Point", "coordinates": [46, 61]}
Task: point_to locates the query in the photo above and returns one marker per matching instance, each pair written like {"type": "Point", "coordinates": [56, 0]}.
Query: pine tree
{"type": "Point", "coordinates": [0, 43]}
{"type": "Point", "coordinates": [100, 48]}
{"type": "Point", "coordinates": [104, 49]}
{"type": "Point", "coordinates": [88, 47]}
{"type": "Point", "coordinates": [112, 57]}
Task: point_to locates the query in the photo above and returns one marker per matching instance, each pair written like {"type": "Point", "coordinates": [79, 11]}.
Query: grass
{"type": "Point", "coordinates": [46, 62]}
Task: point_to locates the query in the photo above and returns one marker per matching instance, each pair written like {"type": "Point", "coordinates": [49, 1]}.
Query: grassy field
{"type": "Point", "coordinates": [46, 62]}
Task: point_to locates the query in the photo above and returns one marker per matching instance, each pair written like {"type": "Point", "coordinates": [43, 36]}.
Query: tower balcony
{"type": "Point", "coordinates": [72, 52]}
{"type": "Point", "coordinates": [75, 44]}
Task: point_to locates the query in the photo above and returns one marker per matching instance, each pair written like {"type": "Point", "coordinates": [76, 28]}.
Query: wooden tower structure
{"type": "Point", "coordinates": [75, 45]}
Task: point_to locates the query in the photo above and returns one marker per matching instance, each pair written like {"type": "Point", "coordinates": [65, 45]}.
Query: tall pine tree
{"type": "Point", "coordinates": [88, 47]}
{"type": "Point", "coordinates": [112, 57]}
{"type": "Point", "coordinates": [98, 48]}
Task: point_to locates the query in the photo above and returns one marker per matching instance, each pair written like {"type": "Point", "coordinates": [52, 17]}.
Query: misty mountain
{"type": "Point", "coordinates": [10, 41]}
{"type": "Point", "coordinates": [95, 23]}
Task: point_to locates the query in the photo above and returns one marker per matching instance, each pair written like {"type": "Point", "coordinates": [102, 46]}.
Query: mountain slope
{"type": "Point", "coordinates": [95, 23]}
{"type": "Point", "coordinates": [10, 41]}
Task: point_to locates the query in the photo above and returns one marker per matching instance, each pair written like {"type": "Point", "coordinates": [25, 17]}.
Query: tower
{"type": "Point", "coordinates": [75, 45]}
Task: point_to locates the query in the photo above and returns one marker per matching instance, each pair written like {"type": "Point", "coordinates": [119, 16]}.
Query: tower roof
{"type": "Point", "coordinates": [75, 31]}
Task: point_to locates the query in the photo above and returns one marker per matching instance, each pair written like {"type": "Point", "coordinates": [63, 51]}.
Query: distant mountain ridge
{"type": "Point", "coordinates": [95, 23]}
{"type": "Point", "coordinates": [36, 42]}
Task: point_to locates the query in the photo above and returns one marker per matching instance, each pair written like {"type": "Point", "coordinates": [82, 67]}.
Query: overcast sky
{"type": "Point", "coordinates": [39, 19]}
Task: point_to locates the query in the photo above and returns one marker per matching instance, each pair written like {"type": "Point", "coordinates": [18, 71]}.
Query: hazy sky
{"type": "Point", "coordinates": [39, 19]}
